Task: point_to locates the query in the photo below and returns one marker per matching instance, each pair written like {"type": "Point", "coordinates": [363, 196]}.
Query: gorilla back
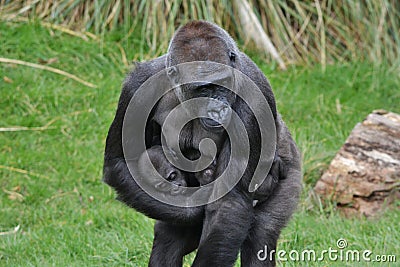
{"type": "Point", "coordinates": [231, 224]}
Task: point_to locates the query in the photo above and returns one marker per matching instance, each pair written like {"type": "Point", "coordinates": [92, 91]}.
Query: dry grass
{"type": "Point", "coordinates": [42, 67]}
{"type": "Point", "coordinates": [305, 32]}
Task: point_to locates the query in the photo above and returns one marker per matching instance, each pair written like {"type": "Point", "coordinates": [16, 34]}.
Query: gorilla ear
{"type": "Point", "coordinates": [232, 57]}
{"type": "Point", "coordinates": [172, 73]}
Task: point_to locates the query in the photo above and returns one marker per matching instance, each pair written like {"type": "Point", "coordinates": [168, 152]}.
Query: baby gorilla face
{"type": "Point", "coordinates": [171, 174]}
{"type": "Point", "coordinates": [163, 167]}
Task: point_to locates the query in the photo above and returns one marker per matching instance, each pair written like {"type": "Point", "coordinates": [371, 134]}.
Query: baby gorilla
{"type": "Point", "coordinates": [175, 176]}
{"type": "Point", "coordinates": [169, 172]}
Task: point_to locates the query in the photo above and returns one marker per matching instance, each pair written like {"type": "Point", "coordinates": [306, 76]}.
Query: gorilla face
{"type": "Point", "coordinates": [217, 79]}
{"type": "Point", "coordinates": [159, 164]}
{"type": "Point", "coordinates": [218, 110]}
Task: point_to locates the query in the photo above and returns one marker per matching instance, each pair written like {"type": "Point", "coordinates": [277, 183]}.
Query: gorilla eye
{"type": "Point", "coordinates": [232, 56]}
{"type": "Point", "coordinates": [172, 176]}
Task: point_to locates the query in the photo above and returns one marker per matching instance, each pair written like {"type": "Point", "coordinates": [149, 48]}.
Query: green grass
{"type": "Point", "coordinates": [68, 217]}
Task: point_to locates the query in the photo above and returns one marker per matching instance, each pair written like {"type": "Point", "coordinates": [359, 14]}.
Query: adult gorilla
{"type": "Point", "coordinates": [231, 224]}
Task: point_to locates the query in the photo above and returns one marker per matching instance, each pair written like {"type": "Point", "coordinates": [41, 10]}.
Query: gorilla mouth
{"type": "Point", "coordinates": [211, 124]}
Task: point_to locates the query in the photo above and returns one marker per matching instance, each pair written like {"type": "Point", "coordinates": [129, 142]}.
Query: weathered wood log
{"type": "Point", "coordinates": [364, 176]}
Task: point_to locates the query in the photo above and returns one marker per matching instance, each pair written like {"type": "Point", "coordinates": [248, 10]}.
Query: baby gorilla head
{"type": "Point", "coordinates": [163, 167]}
{"type": "Point", "coordinates": [170, 173]}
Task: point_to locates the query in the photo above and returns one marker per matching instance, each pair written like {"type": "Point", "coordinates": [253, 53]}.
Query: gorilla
{"type": "Point", "coordinates": [240, 221]}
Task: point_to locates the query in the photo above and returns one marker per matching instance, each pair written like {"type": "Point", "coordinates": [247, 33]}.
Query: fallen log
{"type": "Point", "coordinates": [364, 177]}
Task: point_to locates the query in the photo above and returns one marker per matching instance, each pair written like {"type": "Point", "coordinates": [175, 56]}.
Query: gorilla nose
{"type": "Point", "coordinates": [219, 114]}
{"type": "Point", "coordinates": [177, 183]}
{"type": "Point", "coordinates": [215, 115]}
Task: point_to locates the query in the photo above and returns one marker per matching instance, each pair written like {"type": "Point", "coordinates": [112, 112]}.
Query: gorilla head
{"type": "Point", "coordinates": [202, 41]}
{"type": "Point", "coordinates": [158, 163]}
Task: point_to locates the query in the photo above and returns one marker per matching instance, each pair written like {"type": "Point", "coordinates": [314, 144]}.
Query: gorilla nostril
{"type": "Point", "coordinates": [224, 110]}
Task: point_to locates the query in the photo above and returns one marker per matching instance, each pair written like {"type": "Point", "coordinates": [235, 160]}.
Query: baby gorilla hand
{"type": "Point", "coordinates": [206, 176]}
{"type": "Point", "coordinates": [163, 167]}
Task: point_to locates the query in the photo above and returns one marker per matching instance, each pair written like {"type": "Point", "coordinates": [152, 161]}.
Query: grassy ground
{"type": "Point", "coordinates": [50, 177]}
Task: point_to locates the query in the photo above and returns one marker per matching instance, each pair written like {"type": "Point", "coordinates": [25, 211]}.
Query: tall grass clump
{"type": "Point", "coordinates": [304, 32]}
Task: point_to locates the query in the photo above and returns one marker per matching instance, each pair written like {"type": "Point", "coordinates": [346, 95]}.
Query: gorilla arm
{"type": "Point", "coordinates": [274, 212]}
{"type": "Point", "coordinates": [229, 219]}
{"type": "Point", "coordinates": [115, 170]}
